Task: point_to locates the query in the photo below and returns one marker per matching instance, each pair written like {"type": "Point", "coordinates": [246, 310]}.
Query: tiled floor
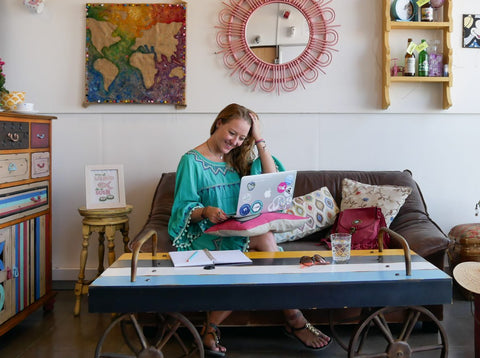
{"type": "Point", "coordinates": [61, 335]}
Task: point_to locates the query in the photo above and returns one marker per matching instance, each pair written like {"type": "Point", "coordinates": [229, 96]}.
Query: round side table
{"type": "Point", "coordinates": [106, 222]}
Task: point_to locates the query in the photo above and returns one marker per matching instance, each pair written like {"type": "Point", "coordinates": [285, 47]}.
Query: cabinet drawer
{"type": "Point", "coordinates": [40, 135]}
{"type": "Point", "coordinates": [23, 200]}
{"type": "Point", "coordinates": [40, 164]}
{"type": "Point", "coordinates": [14, 167]}
{"type": "Point", "coordinates": [14, 135]}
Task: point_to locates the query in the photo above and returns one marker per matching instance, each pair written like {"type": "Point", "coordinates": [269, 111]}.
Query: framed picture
{"type": "Point", "coordinates": [471, 31]}
{"type": "Point", "coordinates": [136, 53]}
{"type": "Point", "coordinates": [105, 186]}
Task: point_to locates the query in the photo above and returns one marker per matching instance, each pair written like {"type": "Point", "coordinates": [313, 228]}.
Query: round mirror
{"type": "Point", "coordinates": [305, 40]}
{"type": "Point", "coordinates": [277, 33]}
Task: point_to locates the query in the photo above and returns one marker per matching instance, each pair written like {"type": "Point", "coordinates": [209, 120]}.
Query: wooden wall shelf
{"type": "Point", "coordinates": [445, 26]}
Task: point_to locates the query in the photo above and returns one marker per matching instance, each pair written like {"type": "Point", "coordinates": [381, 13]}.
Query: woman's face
{"type": "Point", "coordinates": [231, 134]}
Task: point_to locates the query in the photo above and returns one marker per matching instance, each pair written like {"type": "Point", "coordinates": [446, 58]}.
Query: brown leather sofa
{"type": "Point", "coordinates": [412, 222]}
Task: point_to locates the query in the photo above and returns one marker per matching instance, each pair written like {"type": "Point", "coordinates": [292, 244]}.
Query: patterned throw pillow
{"type": "Point", "coordinates": [320, 209]}
{"type": "Point", "coordinates": [389, 198]}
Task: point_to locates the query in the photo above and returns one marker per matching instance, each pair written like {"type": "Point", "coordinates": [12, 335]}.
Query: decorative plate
{"type": "Point", "coordinates": [403, 10]}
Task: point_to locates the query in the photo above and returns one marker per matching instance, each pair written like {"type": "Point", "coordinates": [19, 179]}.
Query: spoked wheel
{"type": "Point", "coordinates": [150, 336]}
{"type": "Point", "coordinates": [396, 340]}
{"type": "Point", "coordinates": [339, 320]}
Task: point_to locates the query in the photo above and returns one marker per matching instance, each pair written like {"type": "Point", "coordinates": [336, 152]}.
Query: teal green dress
{"type": "Point", "coordinates": [199, 183]}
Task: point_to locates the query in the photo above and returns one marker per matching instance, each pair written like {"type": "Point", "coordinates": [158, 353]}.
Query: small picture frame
{"type": "Point", "coordinates": [105, 186]}
{"type": "Point", "coordinates": [471, 31]}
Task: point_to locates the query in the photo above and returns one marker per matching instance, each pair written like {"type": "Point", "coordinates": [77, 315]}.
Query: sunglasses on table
{"type": "Point", "coordinates": [313, 260]}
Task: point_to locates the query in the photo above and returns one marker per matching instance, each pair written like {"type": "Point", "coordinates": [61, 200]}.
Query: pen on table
{"type": "Point", "coordinates": [192, 256]}
{"type": "Point", "coordinates": [209, 255]}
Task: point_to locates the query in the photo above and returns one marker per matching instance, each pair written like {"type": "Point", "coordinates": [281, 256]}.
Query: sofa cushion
{"type": "Point", "coordinates": [276, 222]}
{"type": "Point", "coordinates": [389, 198]}
{"type": "Point", "coordinates": [318, 207]}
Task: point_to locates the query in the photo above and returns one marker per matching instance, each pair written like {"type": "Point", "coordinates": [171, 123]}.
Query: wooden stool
{"type": "Point", "coordinates": [464, 246]}
{"type": "Point", "coordinates": [106, 222]}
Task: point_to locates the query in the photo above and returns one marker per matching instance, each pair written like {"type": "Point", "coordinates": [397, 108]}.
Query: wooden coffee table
{"type": "Point", "coordinates": [274, 281]}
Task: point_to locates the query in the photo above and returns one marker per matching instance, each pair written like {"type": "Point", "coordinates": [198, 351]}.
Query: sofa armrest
{"type": "Point", "coordinates": [426, 239]}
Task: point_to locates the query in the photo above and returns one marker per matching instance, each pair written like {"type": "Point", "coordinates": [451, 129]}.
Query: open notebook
{"type": "Point", "coordinates": [206, 257]}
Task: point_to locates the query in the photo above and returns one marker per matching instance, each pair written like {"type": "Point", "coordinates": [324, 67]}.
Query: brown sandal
{"type": "Point", "coordinates": [211, 351]}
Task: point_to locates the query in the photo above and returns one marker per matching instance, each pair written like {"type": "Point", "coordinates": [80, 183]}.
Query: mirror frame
{"type": "Point", "coordinates": [253, 71]}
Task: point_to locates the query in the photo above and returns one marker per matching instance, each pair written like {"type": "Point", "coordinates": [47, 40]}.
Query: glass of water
{"type": "Point", "coordinates": [341, 244]}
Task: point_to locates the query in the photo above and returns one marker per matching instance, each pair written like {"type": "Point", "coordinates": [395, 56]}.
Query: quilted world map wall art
{"type": "Point", "coordinates": [135, 53]}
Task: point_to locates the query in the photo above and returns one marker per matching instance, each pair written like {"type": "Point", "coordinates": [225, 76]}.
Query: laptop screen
{"type": "Point", "coordinates": [262, 193]}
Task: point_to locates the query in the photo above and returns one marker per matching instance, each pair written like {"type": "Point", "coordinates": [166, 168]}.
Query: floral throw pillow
{"type": "Point", "coordinates": [318, 207]}
{"type": "Point", "coordinates": [389, 198]}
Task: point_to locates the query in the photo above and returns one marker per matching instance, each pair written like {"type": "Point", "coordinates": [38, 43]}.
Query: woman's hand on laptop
{"type": "Point", "coordinates": [214, 215]}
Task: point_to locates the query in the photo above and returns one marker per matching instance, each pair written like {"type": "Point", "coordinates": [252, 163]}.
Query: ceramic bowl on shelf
{"type": "Point", "coordinates": [9, 101]}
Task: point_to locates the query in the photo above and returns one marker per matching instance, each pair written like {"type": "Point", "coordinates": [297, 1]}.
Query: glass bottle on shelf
{"type": "Point", "coordinates": [410, 60]}
{"type": "Point", "coordinates": [426, 12]}
{"type": "Point", "coordinates": [435, 60]}
{"type": "Point", "coordinates": [423, 60]}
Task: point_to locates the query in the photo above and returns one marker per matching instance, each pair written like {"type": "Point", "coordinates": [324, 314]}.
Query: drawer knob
{"type": "Point", "coordinates": [12, 167]}
{"type": "Point", "coordinates": [12, 273]}
{"type": "Point", "coordinates": [40, 136]}
{"type": "Point", "coordinates": [14, 137]}
{"type": "Point", "coordinates": [36, 199]}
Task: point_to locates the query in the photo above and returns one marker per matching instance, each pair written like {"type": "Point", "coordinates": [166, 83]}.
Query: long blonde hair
{"type": "Point", "coordinates": [240, 158]}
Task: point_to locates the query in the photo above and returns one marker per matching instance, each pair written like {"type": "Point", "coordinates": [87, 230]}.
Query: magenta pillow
{"type": "Point", "coordinates": [276, 222]}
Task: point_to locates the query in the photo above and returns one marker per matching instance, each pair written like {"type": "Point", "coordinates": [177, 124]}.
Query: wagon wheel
{"type": "Point", "coordinates": [336, 318]}
{"type": "Point", "coordinates": [396, 340]}
{"type": "Point", "coordinates": [165, 335]}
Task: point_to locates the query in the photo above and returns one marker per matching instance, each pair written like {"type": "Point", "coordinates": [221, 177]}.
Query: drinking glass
{"type": "Point", "coordinates": [341, 244]}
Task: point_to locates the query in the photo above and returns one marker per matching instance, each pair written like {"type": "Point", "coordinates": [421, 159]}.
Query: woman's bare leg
{"type": "Point", "coordinates": [214, 319]}
{"type": "Point", "coordinates": [264, 242]}
{"type": "Point", "coordinates": [295, 320]}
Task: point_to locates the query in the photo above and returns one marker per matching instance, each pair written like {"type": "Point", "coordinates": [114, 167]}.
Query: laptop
{"type": "Point", "coordinates": [262, 193]}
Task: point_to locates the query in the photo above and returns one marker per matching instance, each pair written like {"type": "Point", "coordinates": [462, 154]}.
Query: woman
{"type": "Point", "coordinates": [206, 192]}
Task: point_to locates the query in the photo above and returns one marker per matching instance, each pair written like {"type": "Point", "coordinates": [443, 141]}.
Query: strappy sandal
{"type": "Point", "coordinates": [216, 338]}
{"type": "Point", "coordinates": [316, 332]}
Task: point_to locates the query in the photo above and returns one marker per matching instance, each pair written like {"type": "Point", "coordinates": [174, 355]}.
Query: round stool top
{"type": "Point", "coordinates": [465, 231]}
{"type": "Point", "coordinates": [467, 275]}
{"type": "Point", "coordinates": [104, 213]}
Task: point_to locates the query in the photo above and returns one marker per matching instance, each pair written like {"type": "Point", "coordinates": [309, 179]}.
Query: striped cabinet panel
{"type": "Point", "coordinates": [28, 262]}
{"type": "Point", "coordinates": [22, 265]}
{"type": "Point", "coordinates": [7, 308]}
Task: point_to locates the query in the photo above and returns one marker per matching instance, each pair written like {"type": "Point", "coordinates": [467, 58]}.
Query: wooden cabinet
{"type": "Point", "coordinates": [25, 217]}
{"type": "Point", "coordinates": [445, 27]}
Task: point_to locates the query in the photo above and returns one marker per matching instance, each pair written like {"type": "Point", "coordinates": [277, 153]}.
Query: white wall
{"type": "Point", "coordinates": [335, 123]}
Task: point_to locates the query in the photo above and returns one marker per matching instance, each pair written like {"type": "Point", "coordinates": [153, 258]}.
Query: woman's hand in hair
{"type": "Point", "coordinates": [256, 130]}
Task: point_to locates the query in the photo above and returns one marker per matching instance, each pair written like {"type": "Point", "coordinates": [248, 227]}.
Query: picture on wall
{"type": "Point", "coordinates": [471, 31]}
{"type": "Point", "coordinates": [135, 53]}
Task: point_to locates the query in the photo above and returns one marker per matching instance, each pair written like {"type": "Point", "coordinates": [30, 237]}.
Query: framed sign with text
{"type": "Point", "coordinates": [104, 186]}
